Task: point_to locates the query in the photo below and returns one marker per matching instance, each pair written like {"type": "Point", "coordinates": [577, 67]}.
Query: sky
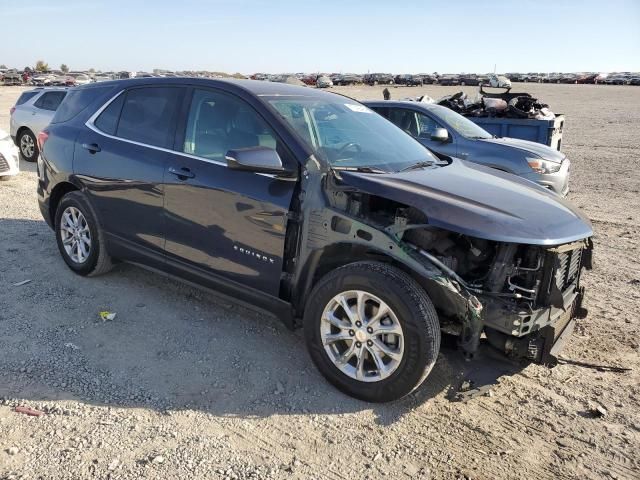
{"type": "Point", "coordinates": [271, 36]}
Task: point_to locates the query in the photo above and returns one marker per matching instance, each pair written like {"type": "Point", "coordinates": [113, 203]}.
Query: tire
{"type": "Point", "coordinates": [411, 313]}
{"type": "Point", "coordinates": [97, 260]}
{"type": "Point", "coordinates": [28, 146]}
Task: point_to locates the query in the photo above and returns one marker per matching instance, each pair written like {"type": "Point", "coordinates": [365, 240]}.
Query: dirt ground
{"type": "Point", "coordinates": [185, 384]}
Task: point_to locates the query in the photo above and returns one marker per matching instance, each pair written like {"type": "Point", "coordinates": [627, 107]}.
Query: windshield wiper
{"type": "Point", "coordinates": [415, 166]}
{"type": "Point", "coordinates": [360, 169]}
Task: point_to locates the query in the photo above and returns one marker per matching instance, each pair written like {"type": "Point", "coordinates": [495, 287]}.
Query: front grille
{"type": "Point", "coordinates": [568, 268]}
{"type": "Point", "coordinates": [4, 165]}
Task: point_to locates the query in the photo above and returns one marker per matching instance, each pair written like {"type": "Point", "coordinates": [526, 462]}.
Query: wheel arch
{"type": "Point", "coordinates": [22, 129]}
{"type": "Point", "coordinates": [336, 255]}
{"type": "Point", "coordinates": [59, 191]}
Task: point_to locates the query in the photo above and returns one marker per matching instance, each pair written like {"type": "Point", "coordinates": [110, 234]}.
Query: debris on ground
{"type": "Point", "coordinates": [468, 390]}
{"type": "Point", "coordinates": [72, 346]}
{"type": "Point", "coordinates": [598, 411]}
{"type": "Point", "coordinates": [29, 411]}
{"type": "Point", "coordinates": [595, 366]}
{"type": "Point", "coordinates": [23, 282]}
{"type": "Point", "coordinates": [107, 316]}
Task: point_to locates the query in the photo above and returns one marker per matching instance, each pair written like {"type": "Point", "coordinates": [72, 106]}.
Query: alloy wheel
{"type": "Point", "coordinates": [27, 146]}
{"type": "Point", "coordinates": [75, 235]}
{"type": "Point", "coordinates": [362, 336]}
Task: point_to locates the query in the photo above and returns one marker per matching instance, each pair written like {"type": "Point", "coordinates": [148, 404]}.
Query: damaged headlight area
{"type": "Point", "coordinates": [529, 294]}
{"type": "Point", "coordinates": [522, 297]}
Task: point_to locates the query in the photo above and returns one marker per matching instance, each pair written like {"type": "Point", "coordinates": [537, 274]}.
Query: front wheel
{"type": "Point", "coordinates": [372, 331]}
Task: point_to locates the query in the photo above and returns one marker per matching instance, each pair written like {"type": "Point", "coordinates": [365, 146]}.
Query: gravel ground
{"type": "Point", "coordinates": [186, 384]}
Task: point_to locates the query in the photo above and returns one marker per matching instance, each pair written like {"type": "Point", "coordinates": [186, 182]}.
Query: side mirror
{"type": "Point", "coordinates": [256, 159]}
{"type": "Point", "coordinates": [440, 135]}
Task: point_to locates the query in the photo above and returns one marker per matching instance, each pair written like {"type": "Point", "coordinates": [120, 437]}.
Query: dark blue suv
{"type": "Point", "coordinates": [311, 206]}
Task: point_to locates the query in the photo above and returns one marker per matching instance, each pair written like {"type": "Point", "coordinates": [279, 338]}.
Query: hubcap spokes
{"type": "Point", "coordinates": [362, 336]}
{"type": "Point", "coordinates": [27, 146]}
{"type": "Point", "coordinates": [75, 234]}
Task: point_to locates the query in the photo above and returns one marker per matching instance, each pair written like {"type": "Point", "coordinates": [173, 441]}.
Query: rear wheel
{"type": "Point", "coordinates": [372, 331]}
{"type": "Point", "coordinates": [28, 146]}
{"type": "Point", "coordinates": [80, 239]}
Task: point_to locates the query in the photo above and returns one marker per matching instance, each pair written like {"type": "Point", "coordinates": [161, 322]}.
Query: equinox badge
{"type": "Point", "coordinates": [251, 253]}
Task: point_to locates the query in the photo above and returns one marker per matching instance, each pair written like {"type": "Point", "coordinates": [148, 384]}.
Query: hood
{"type": "Point", "coordinates": [473, 200]}
{"type": "Point", "coordinates": [543, 151]}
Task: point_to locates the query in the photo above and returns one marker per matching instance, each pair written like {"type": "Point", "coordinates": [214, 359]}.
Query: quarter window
{"type": "Point", "coordinates": [25, 97]}
{"type": "Point", "coordinates": [50, 100]}
{"type": "Point", "coordinates": [219, 122]}
{"type": "Point", "coordinates": [148, 115]}
{"type": "Point", "coordinates": [107, 121]}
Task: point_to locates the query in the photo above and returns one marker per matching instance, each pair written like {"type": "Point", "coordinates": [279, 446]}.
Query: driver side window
{"type": "Point", "coordinates": [218, 122]}
{"type": "Point", "coordinates": [405, 119]}
{"type": "Point", "coordinates": [427, 125]}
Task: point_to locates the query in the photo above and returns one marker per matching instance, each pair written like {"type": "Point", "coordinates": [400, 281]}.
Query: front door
{"type": "Point", "coordinates": [225, 223]}
{"type": "Point", "coordinates": [420, 126]}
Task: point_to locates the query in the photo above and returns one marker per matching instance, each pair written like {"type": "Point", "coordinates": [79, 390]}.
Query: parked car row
{"type": "Point", "coordinates": [390, 241]}
{"type": "Point", "coordinates": [623, 78]}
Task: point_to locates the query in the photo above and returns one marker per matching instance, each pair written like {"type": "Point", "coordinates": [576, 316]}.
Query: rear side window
{"type": "Point", "coordinates": [149, 115]}
{"type": "Point", "coordinates": [50, 100]}
{"type": "Point", "coordinates": [75, 102]}
{"type": "Point", "coordinates": [25, 97]}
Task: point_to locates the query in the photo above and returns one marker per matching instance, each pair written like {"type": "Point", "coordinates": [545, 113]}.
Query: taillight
{"type": "Point", "coordinates": [43, 136]}
{"type": "Point", "coordinates": [11, 110]}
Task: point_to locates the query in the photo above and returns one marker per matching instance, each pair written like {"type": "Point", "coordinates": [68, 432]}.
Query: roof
{"type": "Point", "coordinates": [403, 103]}
{"type": "Point", "coordinates": [256, 87]}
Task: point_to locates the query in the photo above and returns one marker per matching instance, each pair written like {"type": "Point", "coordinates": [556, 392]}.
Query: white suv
{"type": "Point", "coordinates": [32, 112]}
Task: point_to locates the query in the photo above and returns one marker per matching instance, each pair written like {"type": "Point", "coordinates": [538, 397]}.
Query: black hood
{"type": "Point", "coordinates": [481, 202]}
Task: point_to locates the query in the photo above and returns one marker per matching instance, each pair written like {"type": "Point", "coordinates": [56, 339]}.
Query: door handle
{"type": "Point", "coordinates": [92, 147]}
{"type": "Point", "coordinates": [182, 173]}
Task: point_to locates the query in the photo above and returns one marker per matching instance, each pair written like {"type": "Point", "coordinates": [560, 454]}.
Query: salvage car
{"type": "Point", "coordinates": [446, 132]}
{"type": "Point", "coordinates": [33, 111]}
{"type": "Point", "coordinates": [378, 79]}
{"type": "Point", "coordinates": [409, 80]}
{"type": "Point", "coordinates": [311, 206]}
{"type": "Point", "coordinates": [449, 80]}
{"type": "Point", "coordinates": [9, 164]}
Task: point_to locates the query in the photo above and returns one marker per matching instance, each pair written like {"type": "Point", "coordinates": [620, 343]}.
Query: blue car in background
{"type": "Point", "coordinates": [446, 132]}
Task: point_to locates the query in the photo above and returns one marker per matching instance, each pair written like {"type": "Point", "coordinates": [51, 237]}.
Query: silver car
{"type": "Point", "coordinates": [32, 112]}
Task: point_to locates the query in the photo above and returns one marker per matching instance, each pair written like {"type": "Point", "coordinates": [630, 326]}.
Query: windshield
{"type": "Point", "coordinates": [460, 124]}
{"type": "Point", "coordinates": [345, 133]}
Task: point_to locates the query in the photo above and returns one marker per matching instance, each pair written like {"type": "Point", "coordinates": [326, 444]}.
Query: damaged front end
{"type": "Point", "coordinates": [523, 297]}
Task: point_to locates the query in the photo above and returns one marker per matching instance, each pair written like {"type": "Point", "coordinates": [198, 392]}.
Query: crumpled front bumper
{"type": "Point", "coordinates": [544, 345]}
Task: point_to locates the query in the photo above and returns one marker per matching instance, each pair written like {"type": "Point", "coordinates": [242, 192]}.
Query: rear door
{"type": "Point", "coordinates": [121, 158]}
{"type": "Point", "coordinates": [222, 223]}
